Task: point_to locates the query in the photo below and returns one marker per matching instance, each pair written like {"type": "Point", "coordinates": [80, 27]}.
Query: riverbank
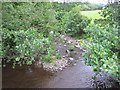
{"type": "Point", "coordinates": [68, 72]}
{"type": "Point", "coordinates": [70, 52]}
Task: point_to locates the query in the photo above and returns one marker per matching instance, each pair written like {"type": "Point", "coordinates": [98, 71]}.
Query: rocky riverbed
{"type": "Point", "coordinates": [70, 51]}
{"type": "Point", "coordinates": [68, 72]}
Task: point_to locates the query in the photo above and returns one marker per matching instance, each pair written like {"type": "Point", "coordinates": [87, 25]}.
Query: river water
{"type": "Point", "coordinates": [78, 76]}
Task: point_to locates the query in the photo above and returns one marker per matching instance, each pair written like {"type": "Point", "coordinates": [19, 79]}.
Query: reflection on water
{"type": "Point", "coordinates": [32, 77]}
{"type": "Point", "coordinates": [24, 77]}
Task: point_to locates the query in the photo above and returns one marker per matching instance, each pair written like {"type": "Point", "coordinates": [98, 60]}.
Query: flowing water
{"type": "Point", "coordinates": [77, 76]}
{"type": "Point", "coordinates": [74, 76]}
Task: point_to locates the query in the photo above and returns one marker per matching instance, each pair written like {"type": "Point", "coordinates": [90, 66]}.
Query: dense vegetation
{"type": "Point", "coordinates": [74, 23]}
{"type": "Point", "coordinates": [103, 48]}
{"type": "Point", "coordinates": [29, 31]}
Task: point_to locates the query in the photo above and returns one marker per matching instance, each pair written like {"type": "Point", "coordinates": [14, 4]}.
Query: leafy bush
{"type": "Point", "coordinates": [103, 49]}
{"type": "Point", "coordinates": [22, 47]}
{"type": "Point", "coordinates": [59, 15]}
{"type": "Point", "coordinates": [101, 54]}
{"type": "Point", "coordinates": [74, 23]}
{"type": "Point", "coordinates": [110, 14]}
{"type": "Point", "coordinates": [60, 10]}
{"type": "Point", "coordinates": [26, 33]}
{"type": "Point", "coordinates": [21, 16]}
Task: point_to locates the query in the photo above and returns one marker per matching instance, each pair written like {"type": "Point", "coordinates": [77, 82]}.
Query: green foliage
{"type": "Point", "coordinates": [65, 15]}
{"type": "Point", "coordinates": [74, 23]}
{"type": "Point", "coordinates": [110, 14]}
{"type": "Point", "coordinates": [26, 15]}
{"type": "Point", "coordinates": [61, 9]}
{"type": "Point", "coordinates": [26, 32]}
{"type": "Point", "coordinates": [103, 50]}
{"type": "Point", "coordinates": [103, 47]}
{"type": "Point", "coordinates": [26, 45]}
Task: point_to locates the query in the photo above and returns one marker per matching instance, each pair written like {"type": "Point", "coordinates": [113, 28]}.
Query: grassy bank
{"type": "Point", "coordinates": [92, 14]}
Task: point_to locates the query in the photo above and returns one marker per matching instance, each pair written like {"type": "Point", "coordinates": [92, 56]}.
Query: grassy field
{"type": "Point", "coordinates": [92, 14]}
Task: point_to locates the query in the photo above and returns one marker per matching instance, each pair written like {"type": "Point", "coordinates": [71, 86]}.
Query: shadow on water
{"type": "Point", "coordinates": [31, 77]}
{"type": "Point", "coordinates": [24, 76]}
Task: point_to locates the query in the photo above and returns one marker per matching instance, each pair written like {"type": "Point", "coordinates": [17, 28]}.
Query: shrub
{"type": "Point", "coordinates": [22, 16]}
{"type": "Point", "coordinates": [26, 33]}
{"type": "Point", "coordinates": [103, 50]}
{"type": "Point", "coordinates": [104, 46]}
{"type": "Point", "coordinates": [74, 23]}
{"type": "Point", "coordinates": [23, 46]}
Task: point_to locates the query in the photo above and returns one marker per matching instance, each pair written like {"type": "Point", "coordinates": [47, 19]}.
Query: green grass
{"type": "Point", "coordinates": [92, 14]}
